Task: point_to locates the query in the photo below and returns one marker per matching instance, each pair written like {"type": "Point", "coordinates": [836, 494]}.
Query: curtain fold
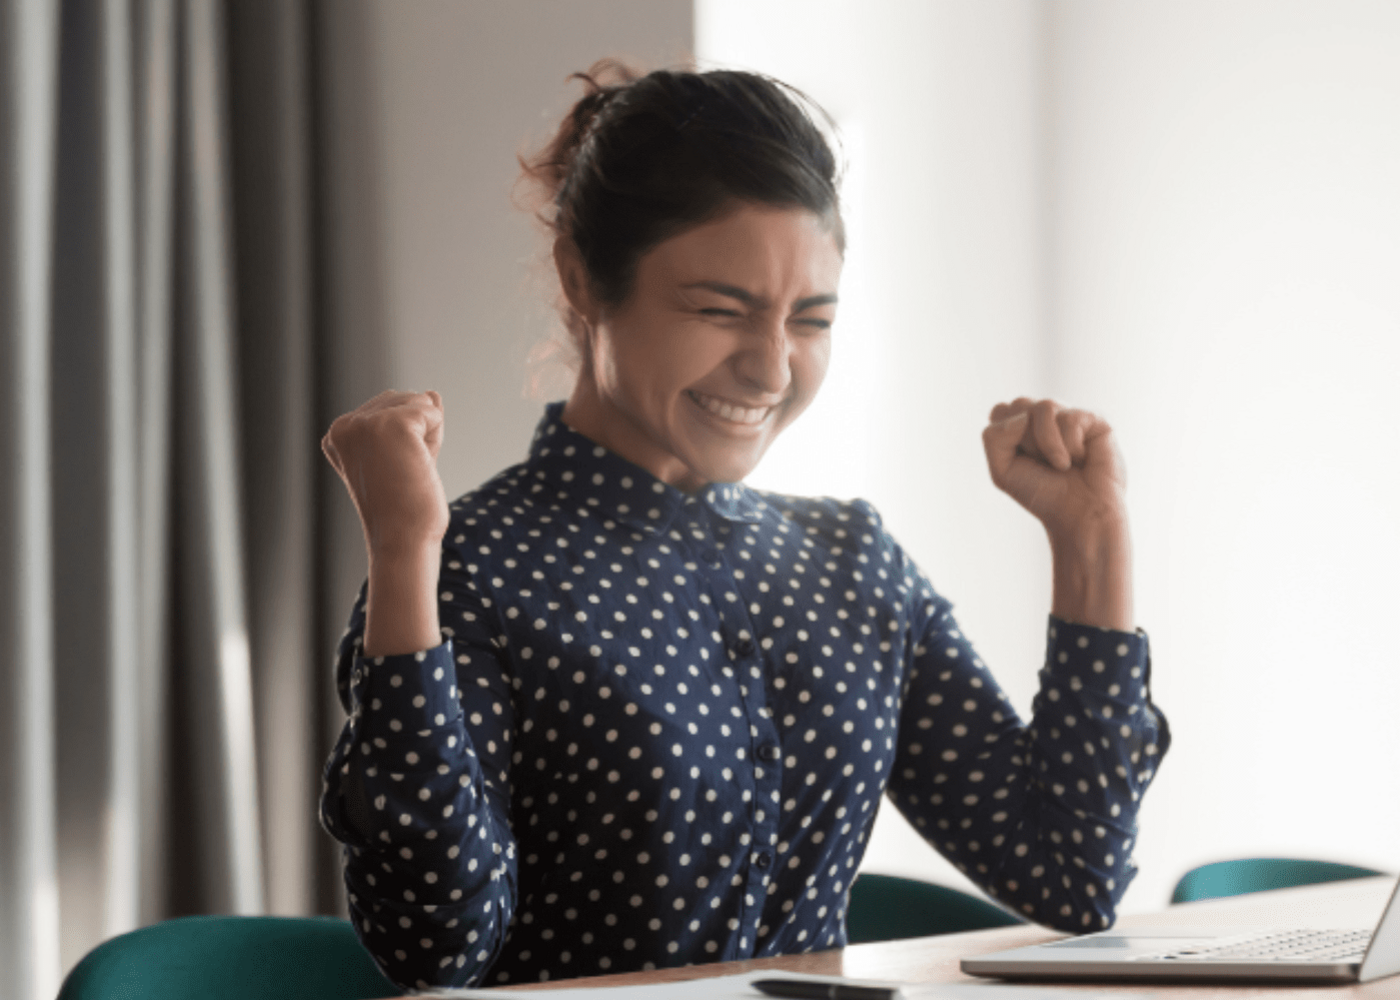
{"type": "Point", "coordinates": [161, 550]}
{"type": "Point", "coordinates": [270, 109]}
{"type": "Point", "coordinates": [29, 959]}
{"type": "Point", "coordinates": [211, 544]}
{"type": "Point", "coordinates": [154, 82]}
{"type": "Point", "coordinates": [122, 825]}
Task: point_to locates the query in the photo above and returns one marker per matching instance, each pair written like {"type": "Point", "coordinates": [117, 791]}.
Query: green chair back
{"type": "Point", "coordinates": [231, 958]}
{"type": "Point", "coordinates": [1234, 878]}
{"type": "Point", "coordinates": [887, 908]}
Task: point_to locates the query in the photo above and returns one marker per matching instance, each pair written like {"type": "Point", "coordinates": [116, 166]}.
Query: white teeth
{"type": "Point", "coordinates": [728, 411]}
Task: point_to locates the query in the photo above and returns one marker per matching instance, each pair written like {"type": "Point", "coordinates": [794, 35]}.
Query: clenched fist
{"type": "Point", "coordinates": [1063, 466]}
{"type": "Point", "coordinates": [1060, 464]}
{"type": "Point", "coordinates": [386, 453]}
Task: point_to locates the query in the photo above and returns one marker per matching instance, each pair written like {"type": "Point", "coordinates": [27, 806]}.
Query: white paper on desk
{"type": "Point", "coordinates": [737, 988]}
{"type": "Point", "coordinates": [1006, 991]}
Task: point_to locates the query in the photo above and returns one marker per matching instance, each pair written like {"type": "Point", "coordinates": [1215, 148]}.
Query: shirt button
{"type": "Point", "coordinates": [763, 859]}
{"type": "Point", "coordinates": [744, 647]}
{"type": "Point", "coordinates": [770, 751]}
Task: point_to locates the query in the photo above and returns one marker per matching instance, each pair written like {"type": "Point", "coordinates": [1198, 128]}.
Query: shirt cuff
{"type": "Point", "coordinates": [1101, 657]}
{"type": "Point", "coordinates": [408, 693]}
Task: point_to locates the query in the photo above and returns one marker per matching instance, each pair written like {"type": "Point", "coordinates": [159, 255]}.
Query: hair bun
{"type": "Point", "coordinates": [548, 169]}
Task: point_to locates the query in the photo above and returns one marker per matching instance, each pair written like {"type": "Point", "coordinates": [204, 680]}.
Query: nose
{"type": "Point", "coordinates": [765, 362]}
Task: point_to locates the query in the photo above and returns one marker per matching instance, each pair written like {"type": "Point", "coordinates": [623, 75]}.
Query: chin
{"type": "Point", "coordinates": [719, 461]}
{"type": "Point", "coordinates": [728, 470]}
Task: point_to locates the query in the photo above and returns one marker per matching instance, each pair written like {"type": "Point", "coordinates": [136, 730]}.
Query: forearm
{"type": "Point", "coordinates": [1093, 573]}
{"type": "Point", "coordinates": [1044, 816]}
{"type": "Point", "coordinates": [401, 611]}
{"type": "Point", "coordinates": [424, 816]}
{"type": "Point", "coordinates": [430, 879]}
{"type": "Point", "coordinates": [1090, 751]}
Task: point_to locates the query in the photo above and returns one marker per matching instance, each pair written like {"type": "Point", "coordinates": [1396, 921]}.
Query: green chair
{"type": "Point", "coordinates": [231, 958]}
{"type": "Point", "coordinates": [887, 908]}
{"type": "Point", "coordinates": [1234, 878]}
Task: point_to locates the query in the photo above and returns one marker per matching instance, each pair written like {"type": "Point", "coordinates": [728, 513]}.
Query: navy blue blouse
{"type": "Point", "coordinates": [660, 725]}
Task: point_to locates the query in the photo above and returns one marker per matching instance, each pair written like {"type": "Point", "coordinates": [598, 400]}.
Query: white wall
{"type": "Point", "coordinates": [1185, 216]}
{"type": "Point", "coordinates": [1225, 254]}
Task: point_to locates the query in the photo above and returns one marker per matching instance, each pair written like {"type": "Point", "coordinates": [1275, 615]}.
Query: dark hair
{"type": "Point", "coordinates": [640, 159]}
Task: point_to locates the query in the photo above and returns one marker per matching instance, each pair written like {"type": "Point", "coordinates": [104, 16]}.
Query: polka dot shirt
{"type": "Point", "coordinates": [660, 725]}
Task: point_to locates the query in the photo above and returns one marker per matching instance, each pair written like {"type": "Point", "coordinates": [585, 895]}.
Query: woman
{"type": "Point", "coordinates": [615, 710]}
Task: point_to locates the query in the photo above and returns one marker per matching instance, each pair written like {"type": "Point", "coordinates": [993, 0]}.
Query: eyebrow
{"type": "Point", "coordinates": [750, 299]}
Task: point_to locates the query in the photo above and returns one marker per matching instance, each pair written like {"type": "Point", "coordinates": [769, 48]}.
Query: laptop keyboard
{"type": "Point", "coordinates": [1280, 946]}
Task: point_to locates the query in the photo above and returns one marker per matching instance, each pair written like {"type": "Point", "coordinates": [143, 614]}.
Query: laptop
{"type": "Point", "coordinates": [1255, 954]}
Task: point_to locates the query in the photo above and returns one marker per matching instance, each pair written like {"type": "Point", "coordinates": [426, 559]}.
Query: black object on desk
{"type": "Point", "coordinates": [809, 989]}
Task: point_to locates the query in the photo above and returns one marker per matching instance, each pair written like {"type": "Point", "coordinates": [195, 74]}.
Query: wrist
{"type": "Point", "coordinates": [401, 613]}
{"type": "Point", "coordinates": [1092, 567]}
{"type": "Point", "coordinates": [404, 554]}
{"type": "Point", "coordinates": [403, 538]}
{"type": "Point", "coordinates": [1091, 537]}
{"type": "Point", "coordinates": [1088, 525]}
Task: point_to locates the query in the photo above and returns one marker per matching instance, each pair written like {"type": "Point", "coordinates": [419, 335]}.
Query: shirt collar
{"type": "Point", "coordinates": [563, 458]}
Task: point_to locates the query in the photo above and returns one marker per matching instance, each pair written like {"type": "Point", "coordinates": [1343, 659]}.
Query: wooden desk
{"type": "Point", "coordinates": [1357, 903]}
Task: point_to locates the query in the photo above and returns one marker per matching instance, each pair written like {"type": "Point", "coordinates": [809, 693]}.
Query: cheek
{"type": "Point", "coordinates": [810, 366]}
{"type": "Point", "coordinates": [676, 359]}
{"type": "Point", "coordinates": [637, 352]}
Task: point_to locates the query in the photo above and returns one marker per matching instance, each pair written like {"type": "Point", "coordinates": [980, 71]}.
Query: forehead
{"type": "Point", "coordinates": [770, 251]}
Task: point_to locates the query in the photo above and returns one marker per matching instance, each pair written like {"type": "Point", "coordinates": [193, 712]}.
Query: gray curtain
{"type": "Point", "coordinates": [163, 565]}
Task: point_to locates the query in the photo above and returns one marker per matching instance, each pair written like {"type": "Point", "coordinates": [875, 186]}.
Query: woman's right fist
{"type": "Point", "coordinates": [386, 454]}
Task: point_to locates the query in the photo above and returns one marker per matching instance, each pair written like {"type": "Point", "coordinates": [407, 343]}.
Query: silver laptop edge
{"type": "Point", "coordinates": [1131, 953]}
{"type": "Point", "coordinates": [1383, 954]}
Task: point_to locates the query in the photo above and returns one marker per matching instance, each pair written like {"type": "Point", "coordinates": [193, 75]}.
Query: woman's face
{"type": "Point", "coordinates": [723, 341]}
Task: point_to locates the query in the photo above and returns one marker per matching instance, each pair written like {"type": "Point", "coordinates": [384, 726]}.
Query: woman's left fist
{"type": "Point", "coordinates": [1060, 464]}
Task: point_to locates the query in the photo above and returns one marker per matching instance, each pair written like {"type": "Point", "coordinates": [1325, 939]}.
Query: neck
{"type": "Point", "coordinates": [597, 419]}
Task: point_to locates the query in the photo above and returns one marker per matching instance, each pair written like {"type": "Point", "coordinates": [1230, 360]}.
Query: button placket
{"type": "Point", "coordinates": [765, 757]}
{"type": "Point", "coordinates": [767, 770]}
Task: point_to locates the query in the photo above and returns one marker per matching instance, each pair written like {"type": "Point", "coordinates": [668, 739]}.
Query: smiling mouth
{"type": "Point", "coordinates": [746, 415]}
